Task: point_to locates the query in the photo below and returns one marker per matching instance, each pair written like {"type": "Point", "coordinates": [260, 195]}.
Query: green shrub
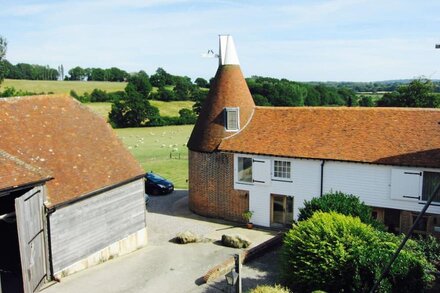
{"type": "Point", "coordinates": [98, 95]}
{"type": "Point", "coordinates": [83, 99]}
{"type": "Point", "coordinates": [335, 253]}
{"type": "Point", "coordinates": [431, 248]}
{"type": "Point", "coordinates": [269, 289]}
{"type": "Point", "coordinates": [346, 204]}
{"type": "Point", "coordinates": [12, 92]}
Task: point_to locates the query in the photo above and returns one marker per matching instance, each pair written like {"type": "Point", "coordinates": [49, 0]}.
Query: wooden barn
{"type": "Point", "coordinates": [71, 195]}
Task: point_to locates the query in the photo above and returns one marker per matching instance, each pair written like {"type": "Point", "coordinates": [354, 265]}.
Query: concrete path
{"type": "Point", "coordinates": [164, 266]}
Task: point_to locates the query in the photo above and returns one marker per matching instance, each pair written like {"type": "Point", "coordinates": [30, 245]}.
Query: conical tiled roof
{"type": "Point", "coordinates": [229, 89]}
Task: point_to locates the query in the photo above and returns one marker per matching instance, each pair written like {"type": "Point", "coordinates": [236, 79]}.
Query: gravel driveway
{"type": "Point", "coordinates": [164, 266]}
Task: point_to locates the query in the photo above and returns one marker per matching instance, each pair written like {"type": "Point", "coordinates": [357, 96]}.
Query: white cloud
{"type": "Point", "coordinates": [306, 40]}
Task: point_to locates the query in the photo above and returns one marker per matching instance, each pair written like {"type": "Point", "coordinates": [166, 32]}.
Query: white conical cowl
{"type": "Point", "coordinates": [228, 54]}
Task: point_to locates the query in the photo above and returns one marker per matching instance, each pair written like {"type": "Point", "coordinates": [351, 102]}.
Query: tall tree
{"type": "Point", "coordinates": [418, 93]}
{"type": "Point", "coordinates": [201, 82]}
{"type": "Point", "coordinates": [161, 78]}
{"type": "Point", "coordinates": [141, 83]}
{"type": "Point", "coordinates": [3, 47]}
{"type": "Point", "coordinates": [133, 111]}
{"type": "Point", "coordinates": [77, 73]}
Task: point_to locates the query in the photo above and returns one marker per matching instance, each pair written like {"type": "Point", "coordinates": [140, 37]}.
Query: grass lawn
{"type": "Point", "coordinates": [165, 108]}
{"type": "Point", "coordinates": [152, 146]}
{"type": "Point", "coordinates": [62, 87]}
{"type": "Point", "coordinates": [171, 108]}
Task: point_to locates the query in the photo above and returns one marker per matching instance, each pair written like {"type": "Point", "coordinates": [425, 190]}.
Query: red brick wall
{"type": "Point", "coordinates": [211, 186]}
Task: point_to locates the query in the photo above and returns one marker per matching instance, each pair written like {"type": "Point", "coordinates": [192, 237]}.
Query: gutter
{"type": "Point", "coordinates": [322, 177]}
{"type": "Point", "coordinates": [7, 190]}
{"type": "Point", "coordinates": [95, 192]}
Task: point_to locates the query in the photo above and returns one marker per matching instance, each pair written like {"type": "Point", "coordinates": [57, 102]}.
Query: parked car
{"type": "Point", "coordinates": [155, 184]}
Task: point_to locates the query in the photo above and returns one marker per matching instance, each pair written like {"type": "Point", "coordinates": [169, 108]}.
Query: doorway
{"type": "Point", "coordinates": [10, 261]}
{"type": "Point", "coordinates": [22, 245]}
{"type": "Point", "coordinates": [281, 211]}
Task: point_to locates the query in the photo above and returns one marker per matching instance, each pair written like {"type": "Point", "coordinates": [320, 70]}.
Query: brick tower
{"type": "Point", "coordinates": [228, 108]}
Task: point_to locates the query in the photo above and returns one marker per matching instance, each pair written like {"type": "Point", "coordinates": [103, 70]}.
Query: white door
{"type": "Point", "coordinates": [29, 213]}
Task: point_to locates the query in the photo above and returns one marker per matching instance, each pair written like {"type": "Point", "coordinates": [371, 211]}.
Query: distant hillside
{"type": "Point", "coordinates": [374, 86]}
{"type": "Point", "coordinates": [61, 87]}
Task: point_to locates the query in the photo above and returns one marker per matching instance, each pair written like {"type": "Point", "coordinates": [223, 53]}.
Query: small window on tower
{"type": "Point", "coordinates": [232, 119]}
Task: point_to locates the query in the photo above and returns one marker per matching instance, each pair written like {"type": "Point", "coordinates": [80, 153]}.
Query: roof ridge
{"type": "Point", "coordinates": [341, 108]}
{"type": "Point", "coordinates": [25, 165]}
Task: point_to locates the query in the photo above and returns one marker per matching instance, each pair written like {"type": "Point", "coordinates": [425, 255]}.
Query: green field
{"type": "Point", "coordinates": [165, 108]}
{"type": "Point", "coordinates": [374, 96]}
{"type": "Point", "coordinates": [159, 149]}
{"type": "Point", "coordinates": [153, 146]}
{"type": "Point", "coordinates": [62, 87]}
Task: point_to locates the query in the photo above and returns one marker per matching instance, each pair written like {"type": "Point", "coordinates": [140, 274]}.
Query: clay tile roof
{"type": "Point", "coordinates": [58, 134]}
{"type": "Point", "coordinates": [229, 90]}
{"type": "Point", "coordinates": [392, 136]}
{"type": "Point", "coordinates": [15, 173]}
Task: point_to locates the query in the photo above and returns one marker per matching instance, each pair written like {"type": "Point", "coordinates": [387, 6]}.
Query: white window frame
{"type": "Point", "coordinates": [238, 170]}
{"type": "Point", "coordinates": [227, 111]}
{"type": "Point", "coordinates": [422, 185]}
{"type": "Point", "coordinates": [274, 171]}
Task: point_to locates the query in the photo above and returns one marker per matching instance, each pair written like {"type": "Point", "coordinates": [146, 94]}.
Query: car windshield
{"type": "Point", "coordinates": [154, 177]}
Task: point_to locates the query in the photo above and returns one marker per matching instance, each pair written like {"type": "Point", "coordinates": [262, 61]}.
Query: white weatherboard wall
{"type": "Point", "coordinates": [303, 185]}
{"type": "Point", "coordinates": [90, 225]}
{"type": "Point", "coordinates": [372, 183]}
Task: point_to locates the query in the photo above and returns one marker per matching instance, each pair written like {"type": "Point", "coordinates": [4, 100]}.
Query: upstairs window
{"type": "Point", "coordinates": [244, 169]}
{"type": "Point", "coordinates": [281, 170]}
{"type": "Point", "coordinates": [232, 119]}
{"type": "Point", "coordinates": [430, 182]}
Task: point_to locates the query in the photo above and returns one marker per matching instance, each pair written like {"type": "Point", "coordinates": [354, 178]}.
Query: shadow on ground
{"type": "Point", "coordinates": [263, 269]}
{"type": "Point", "coordinates": [176, 204]}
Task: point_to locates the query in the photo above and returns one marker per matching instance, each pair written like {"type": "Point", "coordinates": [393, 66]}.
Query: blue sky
{"type": "Point", "coordinates": [340, 40]}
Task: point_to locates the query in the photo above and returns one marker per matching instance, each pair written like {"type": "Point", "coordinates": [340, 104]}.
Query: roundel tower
{"type": "Point", "coordinates": [226, 111]}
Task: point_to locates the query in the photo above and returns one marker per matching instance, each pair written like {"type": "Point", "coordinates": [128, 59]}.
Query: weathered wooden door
{"type": "Point", "coordinates": [29, 213]}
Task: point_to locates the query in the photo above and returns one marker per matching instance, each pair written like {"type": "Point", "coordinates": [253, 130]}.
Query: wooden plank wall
{"type": "Point", "coordinates": [90, 225]}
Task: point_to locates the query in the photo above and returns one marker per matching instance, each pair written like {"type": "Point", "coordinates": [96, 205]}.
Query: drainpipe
{"type": "Point", "coordinates": [50, 211]}
{"type": "Point", "coordinates": [322, 176]}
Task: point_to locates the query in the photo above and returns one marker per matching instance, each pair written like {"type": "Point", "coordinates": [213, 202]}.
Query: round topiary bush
{"type": "Point", "coordinates": [346, 204]}
{"type": "Point", "coordinates": [338, 253]}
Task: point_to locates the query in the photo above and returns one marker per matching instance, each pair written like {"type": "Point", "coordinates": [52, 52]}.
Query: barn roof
{"type": "Point", "coordinates": [392, 136]}
{"type": "Point", "coordinates": [16, 173]}
{"type": "Point", "coordinates": [76, 146]}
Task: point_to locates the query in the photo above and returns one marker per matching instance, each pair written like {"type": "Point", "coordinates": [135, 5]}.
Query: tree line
{"type": "Point", "coordinates": [282, 92]}
{"type": "Point", "coordinates": [374, 86]}
{"type": "Point", "coordinates": [133, 109]}
{"type": "Point", "coordinates": [265, 91]}
{"type": "Point", "coordinates": [420, 92]}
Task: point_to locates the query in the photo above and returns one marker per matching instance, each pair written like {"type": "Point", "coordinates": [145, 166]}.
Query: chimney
{"type": "Point", "coordinates": [228, 54]}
